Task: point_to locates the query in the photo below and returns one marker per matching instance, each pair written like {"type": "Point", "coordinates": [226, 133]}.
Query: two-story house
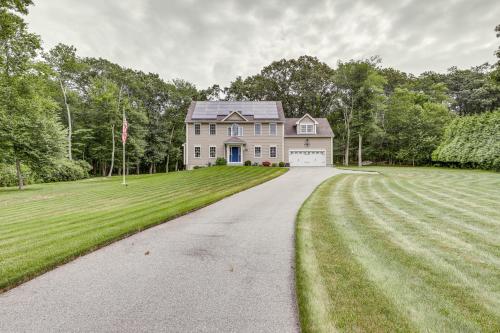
{"type": "Point", "coordinates": [254, 131]}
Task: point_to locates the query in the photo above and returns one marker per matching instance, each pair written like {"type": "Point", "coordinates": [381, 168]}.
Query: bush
{"type": "Point", "coordinates": [471, 142]}
{"type": "Point", "coordinates": [220, 161]}
{"type": "Point", "coordinates": [266, 163]}
{"type": "Point", "coordinates": [255, 164]}
{"type": "Point", "coordinates": [8, 175]}
{"type": "Point", "coordinates": [198, 167]}
{"type": "Point", "coordinates": [274, 165]}
{"type": "Point", "coordinates": [282, 164]}
{"type": "Point", "coordinates": [287, 165]}
{"type": "Point", "coordinates": [63, 170]}
{"type": "Point", "coordinates": [248, 163]}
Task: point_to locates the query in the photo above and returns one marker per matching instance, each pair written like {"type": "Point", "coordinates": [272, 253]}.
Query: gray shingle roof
{"type": "Point", "coordinates": [323, 129]}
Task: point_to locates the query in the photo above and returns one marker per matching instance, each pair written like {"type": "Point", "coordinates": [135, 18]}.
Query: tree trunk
{"type": "Point", "coordinates": [348, 143]}
{"type": "Point", "coordinates": [151, 169]}
{"type": "Point", "coordinates": [176, 165]}
{"type": "Point", "coordinates": [360, 152]}
{"type": "Point", "coordinates": [154, 167]}
{"type": "Point", "coordinates": [138, 168]}
{"type": "Point", "coordinates": [63, 89]}
{"type": "Point", "coordinates": [112, 151]}
{"type": "Point", "coordinates": [20, 180]}
{"type": "Point", "coordinates": [169, 145]}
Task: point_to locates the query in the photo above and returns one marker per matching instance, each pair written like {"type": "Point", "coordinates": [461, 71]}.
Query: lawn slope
{"type": "Point", "coordinates": [50, 224]}
{"type": "Point", "coordinates": [410, 249]}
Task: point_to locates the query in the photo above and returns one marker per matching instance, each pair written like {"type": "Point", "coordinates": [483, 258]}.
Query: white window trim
{"type": "Point", "coordinates": [194, 130]}
{"type": "Point", "coordinates": [255, 156]}
{"type": "Point", "coordinates": [209, 129]}
{"type": "Point", "coordinates": [276, 150]}
{"type": "Point", "coordinates": [276, 127]}
{"type": "Point", "coordinates": [306, 132]}
{"type": "Point", "coordinates": [254, 132]}
{"type": "Point", "coordinates": [209, 147]}
{"type": "Point", "coordinates": [194, 151]}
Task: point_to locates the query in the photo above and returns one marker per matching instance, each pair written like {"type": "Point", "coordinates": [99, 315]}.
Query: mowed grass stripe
{"type": "Point", "coordinates": [405, 252]}
{"type": "Point", "coordinates": [463, 206]}
{"type": "Point", "coordinates": [433, 247]}
{"type": "Point", "coordinates": [118, 213]}
{"type": "Point", "coordinates": [445, 225]}
{"type": "Point", "coordinates": [171, 191]}
{"type": "Point", "coordinates": [44, 239]}
{"type": "Point", "coordinates": [438, 283]}
{"type": "Point", "coordinates": [352, 303]}
{"type": "Point", "coordinates": [63, 219]}
{"type": "Point", "coordinates": [112, 185]}
{"type": "Point", "coordinates": [31, 243]}
{"type": "Point", "coordinates": [105, 196]}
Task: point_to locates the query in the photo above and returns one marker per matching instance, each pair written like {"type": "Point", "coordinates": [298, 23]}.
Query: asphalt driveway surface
{"type": "Point", "coordinates": [225, 268]}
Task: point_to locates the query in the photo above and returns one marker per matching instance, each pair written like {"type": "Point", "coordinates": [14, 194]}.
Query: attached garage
{"type": "Point", "coordinates": [307, 157]}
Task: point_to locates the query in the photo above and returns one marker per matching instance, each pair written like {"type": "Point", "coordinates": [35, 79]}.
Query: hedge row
{"type": "Point", "coordinates": [471, 142]}
{"type": "Point", "coordinates": [58, 171]}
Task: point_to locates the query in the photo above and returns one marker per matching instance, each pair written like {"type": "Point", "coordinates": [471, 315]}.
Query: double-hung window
{"type": "Point", "coordinates": [257, 151]}
{"type": "Point", "coordinates": [212, 129]}
{"type": "Point", "coordinates": [272, 151]}
{"type": "Point", "coordinates": [272, 129]}
{"type": "Point", "coordinates": [306, 129]}
{"type": "Point", "coordinates": [212, 151]}
{"type": "Point", "coordinates": [197, 152]}
{"type": "Point", "coordinates": [257, 129]}
{"type": "Point", "coordinates": [197, 129]}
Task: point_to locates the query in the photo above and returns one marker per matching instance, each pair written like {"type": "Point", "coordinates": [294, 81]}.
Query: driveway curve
{"type": "Point", "coordinates": [227, 267]}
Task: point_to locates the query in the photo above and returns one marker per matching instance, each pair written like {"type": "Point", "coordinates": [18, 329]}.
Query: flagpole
{"type": "Point", "coordinates": [124, 171]}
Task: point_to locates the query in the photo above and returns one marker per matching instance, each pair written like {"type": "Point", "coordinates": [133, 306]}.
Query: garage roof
{"type": "Point", "coordinates": [323, 129]}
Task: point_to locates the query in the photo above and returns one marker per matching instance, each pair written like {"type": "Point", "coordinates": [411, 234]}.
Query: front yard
{"type": "Point", "coordinates": [409, 249]}
{"type": "Point", "coordinates": [49, 224]}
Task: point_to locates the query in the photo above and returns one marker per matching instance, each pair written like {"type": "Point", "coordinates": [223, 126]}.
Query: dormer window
{"type": "Point", "coordinates": [307, 125]}
{"type": "Point", "coordinates": [307, 129]}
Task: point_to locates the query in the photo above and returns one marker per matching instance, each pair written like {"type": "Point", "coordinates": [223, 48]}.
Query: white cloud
{"type": "Point", "coordinates": [209, 42]}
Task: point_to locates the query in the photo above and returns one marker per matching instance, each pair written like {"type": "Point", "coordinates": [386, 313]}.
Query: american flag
{"type": "Point", "coordinates": [124, 130]}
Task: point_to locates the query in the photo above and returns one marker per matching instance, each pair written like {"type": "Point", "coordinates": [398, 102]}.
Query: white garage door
{"type": "Point", "coordinates": [307, 157]}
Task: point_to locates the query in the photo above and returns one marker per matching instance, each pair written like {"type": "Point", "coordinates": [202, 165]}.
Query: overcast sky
{"type": "Point", "coordinates": [213, 41]}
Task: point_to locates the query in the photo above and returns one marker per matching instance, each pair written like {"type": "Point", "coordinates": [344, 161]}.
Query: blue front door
{"type": "Point", "coordinates": [235, 155]}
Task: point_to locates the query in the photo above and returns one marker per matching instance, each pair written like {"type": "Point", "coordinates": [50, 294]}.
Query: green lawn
{"type": "Point", "coordinates": [49, 224]}
{"type": "Point", "coordinates": [409, 249]}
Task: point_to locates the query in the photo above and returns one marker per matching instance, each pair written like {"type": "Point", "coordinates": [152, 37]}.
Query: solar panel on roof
{"type": "Point", "coordinates": [259, 110]}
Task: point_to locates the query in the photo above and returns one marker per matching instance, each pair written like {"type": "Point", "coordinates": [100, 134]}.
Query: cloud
{"type": "Point", "coordinates": [213, 41]}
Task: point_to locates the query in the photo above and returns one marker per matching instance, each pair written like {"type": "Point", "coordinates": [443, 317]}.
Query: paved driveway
{"type": "Point", "coordinates": [227, 267]}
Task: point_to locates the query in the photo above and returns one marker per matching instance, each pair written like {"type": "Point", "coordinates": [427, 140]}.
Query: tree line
{"type": "Point", "coordinates": [60, 114]}
{"type": "Point", "coordinates": [377, 114]}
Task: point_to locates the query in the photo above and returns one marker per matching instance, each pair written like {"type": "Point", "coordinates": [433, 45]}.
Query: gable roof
{"type": "Point", "coordinates": [234, 139]}
{"type": "Point", "coordinates": [217, 111]}
{"type": "Point", "coordinates": [323, 129]}
{"type": "Point", "coordinates": [308, 116]}
{"type": "Point", "coordinates": [236, 114]}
